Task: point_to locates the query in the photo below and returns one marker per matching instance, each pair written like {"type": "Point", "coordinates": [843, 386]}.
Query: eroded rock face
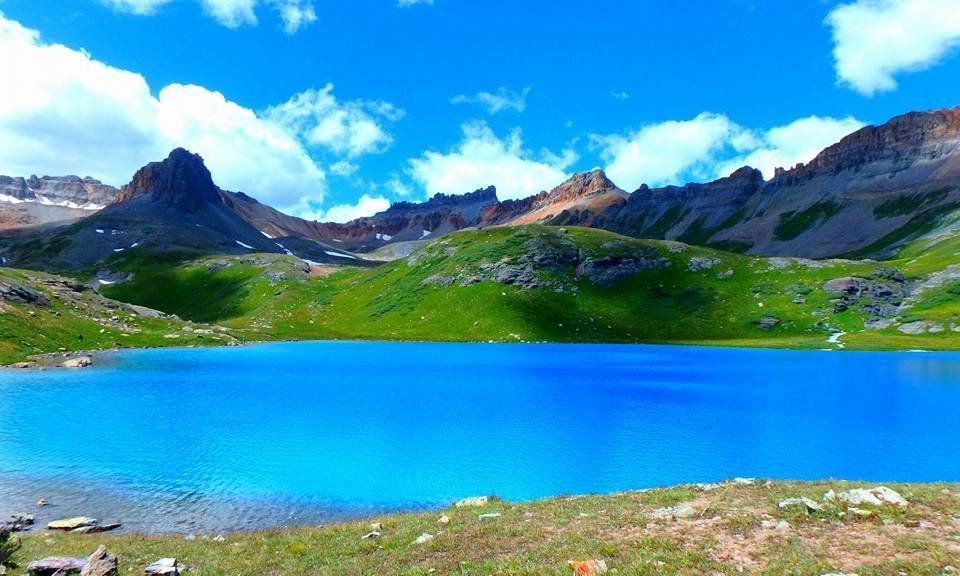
{"type": "Point", "coordinates": [182, 181]}
{"type": "Point", "coordinates": [609, 270]}
{"type": "Point", "coordinates": [555, 262]}
{"type": "Point", "coordinates": [878, 297]}
{"type": "Point", "coordinates": [16, 293]}
{"type": "Point", "coordinates": [69, 191]}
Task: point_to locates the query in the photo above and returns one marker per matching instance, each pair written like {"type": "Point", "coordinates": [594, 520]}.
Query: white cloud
{"type": "Point", "coordinates": [71, 114]}
{"type": "Point", "coordinates": [660, 153]}
{"type": "Point", "coordinates": [621, 95]}
{"type": "Point", "coordinates": [874, 40]}
{"type": "Point", "coordinates": [366, 206]}
{"type": "Point", "coordinates": [232, 13]}
{"type": "Point", "coordinates": [405, 3]}
{"type": "Point", "coordinates": [786, 146]}
{"type": "Point", "coordinates": [344, 168]}
{"type": "Point", "coordinates": [482, 159]}
{"type": "Point", "coordinates": [498, 101]}
{"type": "Point", "coordinates": [351, 128]}
{"type": "Point", "coordinates": [711, 145]}
{"type": "Point", "coordinates": [139, 7]}
{"type": "Point", "coordinates": [398, 187]}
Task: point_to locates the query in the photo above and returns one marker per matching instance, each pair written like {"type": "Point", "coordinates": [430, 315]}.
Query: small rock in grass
{"type": "Point", "coordinates": [678, 511]}
{"type": "Point", "coordinates": [444, 520]}
{"type": "Point", "coordinates": [475, 501]}
{"type": "Point", "coordinates": [101, 563]}
{"type": "Point", "coordinates": [808, 504]}
{"type": "Point", "coordinates": [371, 535]}
{"type": "Point", "coordinates": [423, 538]}
{"type": "Point", "coordinates": [219, 538]}
{"type": "Point", "coordinates": [376, 526]}
{"type": "Point", "coordinates": [860, 512]}
{"type": "Point", "coordinates": [877, 496]}
{"type": "Point", "coordinates": [830, 496]}
{"type": "Point", "coordinates": [588, 567]}
{"type": "Point", "coordinates": [163, 567]}
{"type": "Point", "coordinates": [490, 515]}
{"type": "Point", "coordinates": [779, 525]}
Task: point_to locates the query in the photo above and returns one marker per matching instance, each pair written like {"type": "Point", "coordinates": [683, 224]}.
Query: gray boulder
{"type": "Point", "coordinates": [101, 563]}
{"type": "Point", "coordinates": [56, 566]}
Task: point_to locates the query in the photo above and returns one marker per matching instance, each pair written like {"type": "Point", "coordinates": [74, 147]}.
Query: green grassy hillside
{"type": "Point", "coordinates": [532, 283]}
{"type": "Point", "coordinates": [523, 284]}
{"type": "Point", "coordinates": [43, 313]}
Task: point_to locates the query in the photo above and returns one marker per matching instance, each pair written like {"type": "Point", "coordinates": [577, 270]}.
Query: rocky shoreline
{"type": "Point", "coordinates": [738, 526]}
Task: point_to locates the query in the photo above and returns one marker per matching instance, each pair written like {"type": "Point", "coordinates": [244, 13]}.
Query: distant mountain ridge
{"type": "Point", "coordinates": [172, 207]}
{"type": "Point", "coordinates": [865, 195]}
{"type": "Point", "coordinates": [68, 191]}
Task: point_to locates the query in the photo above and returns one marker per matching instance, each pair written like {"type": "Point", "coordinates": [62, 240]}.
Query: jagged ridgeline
{"type": "Point", "coordinates": [737, 260]}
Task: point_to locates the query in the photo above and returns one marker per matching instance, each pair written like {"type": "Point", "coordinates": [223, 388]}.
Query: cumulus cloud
{"type": "Point", "coordinates": [498, 101]}
{"type": "Point", "coordinates": [660, 153]}
{"type": "Point", "coordinates": [874, 40]}
{"type": "Point", "coordinates": [71, 114]}
{"type": "Point", "coordinates": [482, 159]}
{"type": "Point", "coordinates": [232, 13]}
{"type": "Point", "coordinates": [351, 128]}
{"type": "Point", "coordinates": [796, 142]}
{"type": "Point", "coordinates": [366, 206]}
{"type": "Point", "coordinates": [344, 168]}
{"type": "Point", "coordinates": [710, 146]}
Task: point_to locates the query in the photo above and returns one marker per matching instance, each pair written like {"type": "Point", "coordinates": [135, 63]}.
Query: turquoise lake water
{"type": "Point", "coordinates": [228, 438]}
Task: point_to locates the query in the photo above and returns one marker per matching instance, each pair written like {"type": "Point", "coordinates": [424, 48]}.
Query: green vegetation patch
{"type": "Point", "coordinates": [666, 221]}
{"type": "Point", "coordinates": [917, 225]}
{"type": "Point", "coordinates": [793, 224]}
{"type": "Point", "coordinates": [908, 204]}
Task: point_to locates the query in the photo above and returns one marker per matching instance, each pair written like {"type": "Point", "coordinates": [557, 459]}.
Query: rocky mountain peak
{"type": "Point", "coordinates": [583, 184]}
{"type": "Point", "coordinates": [899, 144]}
{"type": "Point", "coordinates": [481, 196]}
{"type": "Point", "coordinates": [182, 181]}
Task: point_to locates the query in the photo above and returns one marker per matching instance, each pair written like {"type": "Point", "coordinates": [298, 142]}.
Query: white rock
{"type": "Point", "coordinates": [476, 501]}
{"type": "Point", "coordinates": [877, 496]}
{"type": "Point", "coordinates": [423, 538]}
{"type": "Point", "coordinates": [678, 511]}
{"type": "Point", "coordinates": [163, 567]}
{"type": "Point", "coordinates": [807, 503]}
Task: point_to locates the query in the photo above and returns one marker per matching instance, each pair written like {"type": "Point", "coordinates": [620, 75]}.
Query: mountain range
{"type": "Point", "coordinates": [737, 260]}
{"type": "Point", "coordinates": [865, 195]}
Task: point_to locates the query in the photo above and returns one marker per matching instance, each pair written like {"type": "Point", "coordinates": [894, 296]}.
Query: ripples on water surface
{"type": "Point", "coordinates": [267, 435]}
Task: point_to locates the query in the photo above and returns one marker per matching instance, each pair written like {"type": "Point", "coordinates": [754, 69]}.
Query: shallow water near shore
{"type": "Point", "coordinates": [218, 439]}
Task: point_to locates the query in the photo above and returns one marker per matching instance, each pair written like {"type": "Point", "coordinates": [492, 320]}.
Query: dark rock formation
{"type": "Point", "coordinates": [182, 181]}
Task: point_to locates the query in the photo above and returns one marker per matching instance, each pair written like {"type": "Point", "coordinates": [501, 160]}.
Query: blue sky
{"type": "Point", "coordinates": [333, 109]}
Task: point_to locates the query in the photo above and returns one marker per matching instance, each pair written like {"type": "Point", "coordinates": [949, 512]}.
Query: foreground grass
{"type": "Point", "coordinates": [730, 531]}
